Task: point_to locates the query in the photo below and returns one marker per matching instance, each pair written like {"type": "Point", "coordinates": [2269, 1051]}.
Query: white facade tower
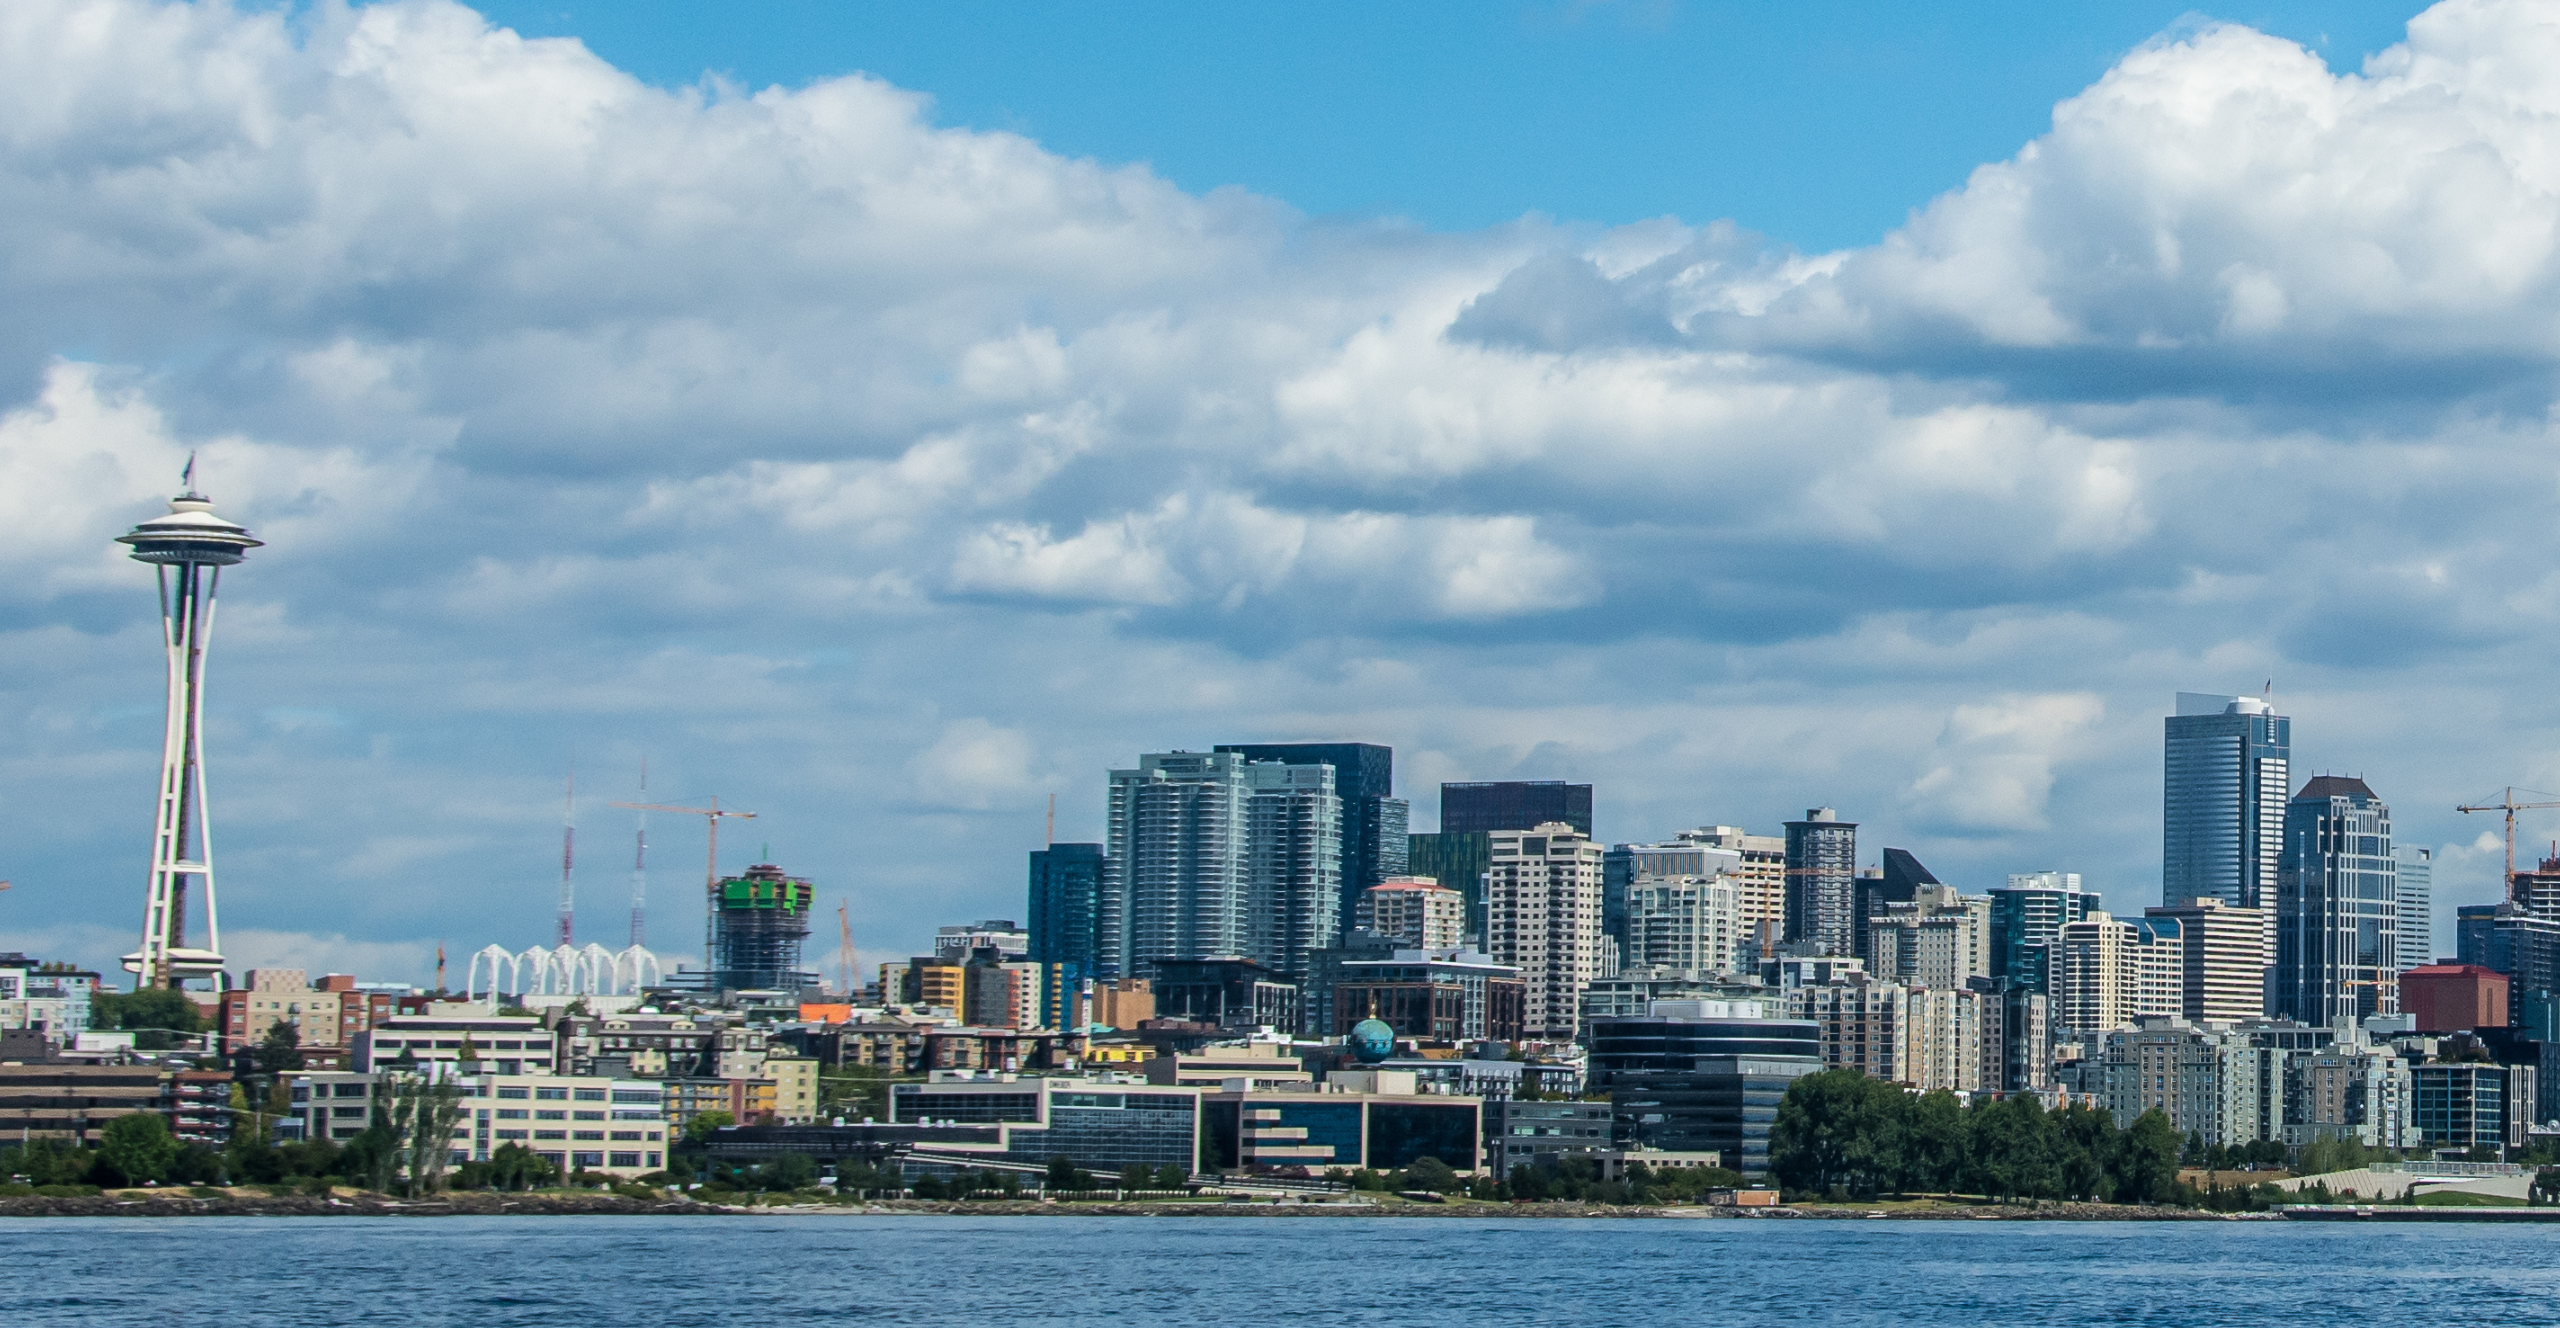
{"type": "Point", "coordinates": [190, 546]}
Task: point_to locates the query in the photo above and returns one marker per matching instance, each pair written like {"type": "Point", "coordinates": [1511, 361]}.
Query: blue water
{"type": "Point", "coordinates": [1199, 1272]}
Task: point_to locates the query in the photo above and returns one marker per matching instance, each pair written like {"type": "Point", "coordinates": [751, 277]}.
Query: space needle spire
{"type": "Point", "coordinates": [190, 546]}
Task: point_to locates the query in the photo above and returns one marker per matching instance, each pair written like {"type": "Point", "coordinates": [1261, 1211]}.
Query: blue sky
{"type": "Point", "coordinates": [1819, 124]}
{"type": "Point", "coordinates": [1737, 409]}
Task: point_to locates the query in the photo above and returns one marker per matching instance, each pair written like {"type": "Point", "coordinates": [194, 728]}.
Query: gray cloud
{"type": "Point", "coordinates": [886, 479]}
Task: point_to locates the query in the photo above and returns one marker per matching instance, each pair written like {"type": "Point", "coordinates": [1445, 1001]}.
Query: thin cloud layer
{"type": "Point", "coordinates": [887, 478]}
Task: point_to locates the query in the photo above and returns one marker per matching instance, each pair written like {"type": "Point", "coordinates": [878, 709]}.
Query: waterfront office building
{"type": "Point", "coordinates": [2027, 915]}
{"type": "Point", "coordinates": [2337, 907]}
{"type": "Point", "coordinates": [1356, 1118]}
{"type": "Point", "coordinates": [1374, 835]}
{"type": "Point", "coordinates": [1174, 878]}
{"type": "Point", "coordinates": [2226, 770]}
{"type": "Point", "coordinates": [1698, 1076]}
{"type": "Point", "coordinates": [1102, 1125]}
{"type": "Point", "coordinates": [1521, 1134]}
{"type": "Point", "coordinates": [576, 1123]}
{"type": "Point", "coordinates": [1542, 905]}
{"type": "Point", "coordinates": [1822, 880]}
{"type": "Point", "coordinates": [1065, 899]}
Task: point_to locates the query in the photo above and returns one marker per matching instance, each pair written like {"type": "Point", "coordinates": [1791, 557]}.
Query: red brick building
{"type": "Point", "coordinates": [2454, 998]}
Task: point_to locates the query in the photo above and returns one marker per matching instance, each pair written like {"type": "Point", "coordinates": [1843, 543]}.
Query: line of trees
{"type": "Point", "coordinates": [1842, 1134]}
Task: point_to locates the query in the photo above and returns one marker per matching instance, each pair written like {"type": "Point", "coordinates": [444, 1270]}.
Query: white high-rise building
{"type": "Point", "coordinates": [2106, 973]}
{"type": "Point", "coordinates": [1174, 881]}
{"type": "Point", "coordinates": [1686, 922]}
{"type": "Point", "coordinates": [2224, 963]}
{"type": "Point", "coordinates": [1293, 863]}
{"type": "Point", "coordinates": [1416, 912]}
{"type": "Point", "coordinates": [1542, 916]}
{"type": "Point", "coordinates": [2417, 906]}
{"type": "Point", "coordinates": [1941, 938]}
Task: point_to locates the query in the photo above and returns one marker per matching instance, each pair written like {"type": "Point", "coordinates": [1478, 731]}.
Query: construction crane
{"type": "Point", "coordinates": [844, 955]}
{"type": "Point", "coordinates": [2510, 806]}
{"type": "Point", "coordinates": [711, 863]}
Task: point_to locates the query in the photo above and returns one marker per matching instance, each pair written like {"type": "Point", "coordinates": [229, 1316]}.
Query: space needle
{"type": "Point", "coordinates": [190, 546]}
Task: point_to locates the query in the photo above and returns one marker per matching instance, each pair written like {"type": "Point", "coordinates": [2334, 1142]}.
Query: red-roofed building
{"type": "Point", "coordinates": [2454, 998]}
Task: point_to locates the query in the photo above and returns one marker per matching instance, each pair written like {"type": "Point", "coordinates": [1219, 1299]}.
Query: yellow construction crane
{"type": "Point", "coordinates": [2510, 806]}
{"type": "Point", "coordinates": [711, 869]}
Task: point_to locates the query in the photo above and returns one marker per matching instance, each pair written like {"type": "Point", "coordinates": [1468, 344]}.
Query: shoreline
{"type": "Point", "coordinates": [180, 1204]}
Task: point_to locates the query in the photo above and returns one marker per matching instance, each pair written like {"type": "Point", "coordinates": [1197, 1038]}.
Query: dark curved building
{"type": "Point", "coordinates": [1703, 1080]}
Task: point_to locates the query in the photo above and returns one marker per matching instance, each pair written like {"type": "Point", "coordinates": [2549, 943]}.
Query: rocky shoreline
{"type": "Point", "coordinates": [485, 1204]}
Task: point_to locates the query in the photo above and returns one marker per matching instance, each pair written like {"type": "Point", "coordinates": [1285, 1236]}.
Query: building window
{"type": "Point", "coordinates": [626, 1159]}
{"type": "Point", "coordinates": [551, 1134]}
{"type": "Point", "coordinates": [511, 1134]}
{"type": "Point", "coordinates": [552, 1094]}
{"type": "Point", "coordinates": [511, 1113]}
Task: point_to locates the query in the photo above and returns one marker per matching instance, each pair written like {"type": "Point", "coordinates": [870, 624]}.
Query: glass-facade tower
{"type": "Point", "coordinates": [2337, 907]}
{"type": "Point", "coordinates": [2227, 767]}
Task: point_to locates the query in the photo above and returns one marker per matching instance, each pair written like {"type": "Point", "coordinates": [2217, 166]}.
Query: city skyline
{"type": "Point", "coordinates": [890, 528]}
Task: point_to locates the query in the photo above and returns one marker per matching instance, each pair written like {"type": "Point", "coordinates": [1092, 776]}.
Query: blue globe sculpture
{"type": "Point", "coordinates": [1373, 1040]}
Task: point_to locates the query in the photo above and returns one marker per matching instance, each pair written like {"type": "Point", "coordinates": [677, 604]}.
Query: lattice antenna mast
{"type": "Point", "coordinates": [640, 867]}
{"type": "Point", "coordinates": [711, 864]}
{"type": "Point", "coordinates": [569, 860]}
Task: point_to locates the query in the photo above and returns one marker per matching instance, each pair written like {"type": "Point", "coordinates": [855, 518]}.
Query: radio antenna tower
{"type": "Point", "coordinates": [190, 546]}
{"type": "Point", "coordinates": [569, 859]}
{"type": "Point", "coordinates": [640, 866]}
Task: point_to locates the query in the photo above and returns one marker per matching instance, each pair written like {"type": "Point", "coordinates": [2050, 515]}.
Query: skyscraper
{"type": "Point", "coordinates": [1293, 863]}
{"type": "Point", "coordinates": [1628, 866]}
{"type": "Point", "coordinates": [1514, 805]}
{"type": "Point", "coordinates": [1375, 821]}
{"type": "Point", "coordinates": [2337, 907]}
{"type": "Point", "coordinates": [2226, 769]}
{"type": "Point", "coordinates": [1690, 923]}
{"type": "Point", "coordinates": [1458, 861]}
{"type": "Point", "coordinates": [2027, 915]}
{"type": "Point", "coordinates": [1174, 875]}
{"type": "Point", "coordinates": [190, 546]}
{"type": "Point", "coordinates": [1065, 903]}
{"type": "Point", "coordinates": [2225, 959]}
{"type": "Point", "coordinates": [1822, 876]}
{"type": "Point", "coordinates": [1542, 904]}
{"type": "Point", "coordinates": [2417, 906]}
{"type": "Point", "coordinates": [1898, 881]}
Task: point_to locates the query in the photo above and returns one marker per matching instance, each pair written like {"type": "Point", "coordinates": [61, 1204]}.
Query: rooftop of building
{"type": "Point", "coordinates": [2334, 786]}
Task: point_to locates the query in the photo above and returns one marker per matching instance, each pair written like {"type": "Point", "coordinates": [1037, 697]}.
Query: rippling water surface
{"type": "Point", "coordinates": [1141, 1273]}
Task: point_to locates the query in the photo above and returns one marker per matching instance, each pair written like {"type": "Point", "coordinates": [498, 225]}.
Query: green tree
{"type": "Point", "coordinates": [2146, 1160]}
{"type": "Point", "coordinates": [151, 1014]}
{"type": "Point", "coordinates": [1430, 1173]}
{"type": "Point", "coordinates": [1932, 1151]}
{"type": "Point", "coordinates": [1171, 1177]}
{"type": "Point", "coordinates": [1839, 1130]}
{"type": "Point", "coordinates": [138, 1147]}
{"type": "Point", "coordinates": [1065, 1176]}
{"type": "Point", "coordinates": [791, 1171]}
{"type": "Point", "coordinates": [423, 1114]}
{"type": "Point", "coordinates": [2009, 1144]}
{"type": "Point", "coordinates": [2084, 1143]}
{"type": "Point", "coordinates": [1137, 1176]}
{"type": "Point", "coordinates": [280, 1051]}
{"type": "Point", "coordinates": [697, 1131]}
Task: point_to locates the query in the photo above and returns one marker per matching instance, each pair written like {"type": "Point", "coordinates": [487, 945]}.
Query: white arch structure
{"type": "Point", "coordinates": [560, 971]}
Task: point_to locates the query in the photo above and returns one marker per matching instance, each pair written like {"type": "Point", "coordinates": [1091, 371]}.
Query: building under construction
{"type": "Point", "coordinates": [759, 920]}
